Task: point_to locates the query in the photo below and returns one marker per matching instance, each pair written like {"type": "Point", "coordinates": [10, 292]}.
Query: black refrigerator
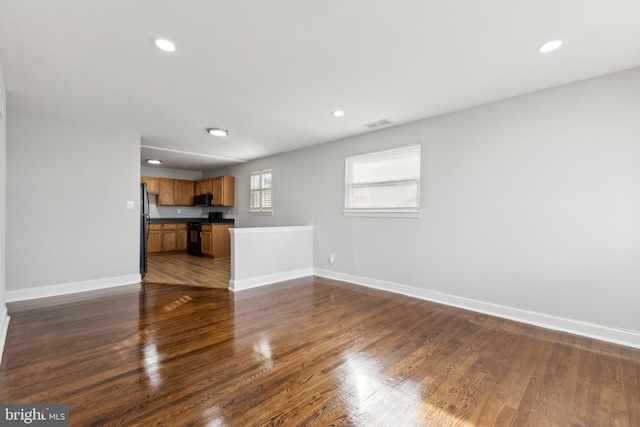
{"type": "Point", "coordinates": [144, 227]}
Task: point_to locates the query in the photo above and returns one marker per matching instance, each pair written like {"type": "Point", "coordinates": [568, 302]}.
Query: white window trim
{"type": "Point", "coordinates": [383, 213]}
{"type": "Point", "coordinates": [379, 212]}
{"type": "Point", "coordinates": [262, 211]}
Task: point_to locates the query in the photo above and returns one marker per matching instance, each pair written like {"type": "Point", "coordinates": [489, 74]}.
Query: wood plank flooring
{"type": "Point", "coordinates": [307, 352]}
{"type": "Point", "coordinates": [184, 269]}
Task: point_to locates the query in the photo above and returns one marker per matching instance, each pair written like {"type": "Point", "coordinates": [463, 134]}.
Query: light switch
{"type": "Point", "coordinates": [129, 204]}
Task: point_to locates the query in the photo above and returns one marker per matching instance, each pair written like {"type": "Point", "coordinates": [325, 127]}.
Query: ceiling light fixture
{"type": "Point", "coordinates": [217, 132]}
{"type": "Point", "coordinates": [550, 46]}
{"type": "Point", "coordinates": [154, 161]}
{"type": "Point", "coordinates": [165, 45]}
{"type": "Point", "coordinates": [338, 113]}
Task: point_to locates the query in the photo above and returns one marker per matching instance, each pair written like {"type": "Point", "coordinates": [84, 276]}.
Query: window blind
{"type": "Point", "coordinates": [261, 191]}
{"type": "Point", "coordinates": [383, 181]}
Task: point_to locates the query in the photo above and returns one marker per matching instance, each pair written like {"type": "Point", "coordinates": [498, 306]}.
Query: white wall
{"type": "Point", "coordinates": [4, 319]}
{"type": "Point", "coordinates": [162, 172]}
{"type": "Point", "coordinates": [265, 255]}
{"type": "Point", "coordinates": [530, 205]}
{"type": "Point", "coordinates": [67, 217]}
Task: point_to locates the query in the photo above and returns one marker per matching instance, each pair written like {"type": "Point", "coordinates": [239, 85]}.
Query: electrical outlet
{"type": "Point", "coordinates": [179, 210]}
{"type": "Point", "coordinates": [129, 204]}
{"type": "Point", "coordinates": [332, 258]}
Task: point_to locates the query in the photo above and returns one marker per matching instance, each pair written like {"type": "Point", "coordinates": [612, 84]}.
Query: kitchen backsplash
{"type": "Point", "coordinates": [156, 211]}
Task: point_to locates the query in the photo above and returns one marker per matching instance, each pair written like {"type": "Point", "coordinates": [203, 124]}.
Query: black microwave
{"type": "Point", "coordinates": [203, 200]}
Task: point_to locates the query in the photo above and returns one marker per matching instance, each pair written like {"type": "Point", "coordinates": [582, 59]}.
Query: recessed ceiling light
{"type": "Point", "coordinates": [154, 161]}
{"type": "Point", "coordinates": [166, 45]}
{"type": "Point", "coordinates": [550, 46]}
{"type": "Point", "coordinates": [218, 131]}
{"type": "Point", "coordinates": [338, 113]}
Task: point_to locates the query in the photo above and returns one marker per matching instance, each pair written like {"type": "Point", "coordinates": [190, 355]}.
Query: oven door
{"type": "Point", "coordinates": [194, 244]}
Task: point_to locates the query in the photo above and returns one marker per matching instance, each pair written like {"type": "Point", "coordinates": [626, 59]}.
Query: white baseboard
{"type": "Point", "coordinates": [4, 328]}
{"type": "Point", "coordinates": [254, 282]}
{"type": "Point", "coordinates": [604, 333]}
{"type": "Point", "coordinates": [71, 288]}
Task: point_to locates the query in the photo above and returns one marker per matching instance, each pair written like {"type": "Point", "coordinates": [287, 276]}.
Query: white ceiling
{"type": "Point", "coordinates": [271, 72]}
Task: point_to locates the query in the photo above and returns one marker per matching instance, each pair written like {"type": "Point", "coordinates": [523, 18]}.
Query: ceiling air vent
{"type": "Point", "coordinates": [378, 123]}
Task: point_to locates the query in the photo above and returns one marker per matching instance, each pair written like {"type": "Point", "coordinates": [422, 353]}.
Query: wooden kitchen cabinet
{"type": "Point", "coordinates": [221, 187]}
{"type": "Point", "coordinates": [153, 184]}
{"type": "Point", "coordinates": [154, 241]}
{"type": "Point", "coordinates": [180, 192]}
{"type": "Point", "coordinates": [184, 191]}
{"type": "Point", "coordinates": [199, 188]}
{"type": "Point", "coordinates": [167, 238]}
{"type": "Point", "coordinates": [175, 192]}
{"type": "Point", "coordinates": [166, 195]}
{"type": "Point", "coordinates": [205, 244]}
{"type": "Point", "coordinates": [169, 234]}
{"type": "Point", "coordinates": [181, 237]}
{"type": "Point", "coordinates": [221, 240]}
{"type": "Point", "coordinates": [204, 187]}
{"type": "Point", "coordinates": [223, 190]}
{"type": "Point", "coordinates": [216, 240]}
{"type": "Point", "coordinates": [207, 186]}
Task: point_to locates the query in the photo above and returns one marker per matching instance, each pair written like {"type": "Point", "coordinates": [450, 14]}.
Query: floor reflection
{"type": "Point", "coordinates": [152, 364]}
{"type": "Point", "coordinates": [373, 398]}
{"type": "Point", "coordinates": [163, 311]}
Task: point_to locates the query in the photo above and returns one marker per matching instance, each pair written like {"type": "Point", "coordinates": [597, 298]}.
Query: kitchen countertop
{"type": "Point", "coordinates": [186, 220]}
{"type": "Point", "coordinates": [173, 220]}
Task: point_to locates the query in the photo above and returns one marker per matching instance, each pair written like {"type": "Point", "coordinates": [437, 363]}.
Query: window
{"type": "Point", "coordinates": [261, 192]}
{"type": "Point", "coordinates": [384, 183]}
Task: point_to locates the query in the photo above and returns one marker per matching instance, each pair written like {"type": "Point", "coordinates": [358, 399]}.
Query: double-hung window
{"type": "Point", "coordinates": [384, 183]}
{"type": "Point", "coordinates": [261, 192]}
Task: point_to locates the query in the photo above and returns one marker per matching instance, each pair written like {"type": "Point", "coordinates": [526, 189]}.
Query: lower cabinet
{"type": "Point", "coordinates": [167, 238]}
{"type": "Point", "coordinates": [216, 240]}
{"type": "Point", "coordinates": [181, 237]}
{"type": "Point", "coordinates": [154, 241]}
{"type": "Point", "coordinates": [205, 244]}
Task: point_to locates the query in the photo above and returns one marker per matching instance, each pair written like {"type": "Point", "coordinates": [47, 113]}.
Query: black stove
{"type": "Point", "coordinates": [194, 238]}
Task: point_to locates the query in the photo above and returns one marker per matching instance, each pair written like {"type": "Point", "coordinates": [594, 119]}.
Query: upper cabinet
{"type": "Point", "coordinates": [175, 192]}
{"type": "Point", "coordinates": [204, 187]}
{"type": "Point", "coordinates": [222, 188]}
{"type": "Point", "coordinates": [167, 194]}
{"type": "Point", "coordinates": [199, 188]}
{"type": "Point", "coordinates": [178, 192]}
{"type": "Point", "coordinates": [153, 184]}
{"type": "Point", "coordinates": [184, 191]}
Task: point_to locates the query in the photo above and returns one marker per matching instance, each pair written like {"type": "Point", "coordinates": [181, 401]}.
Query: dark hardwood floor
{"type": "Point", "coordinates": [308, 352]}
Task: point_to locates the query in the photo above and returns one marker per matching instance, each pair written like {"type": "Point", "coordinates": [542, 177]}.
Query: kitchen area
{"type": "Point", "coordinates": [184, 236]}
